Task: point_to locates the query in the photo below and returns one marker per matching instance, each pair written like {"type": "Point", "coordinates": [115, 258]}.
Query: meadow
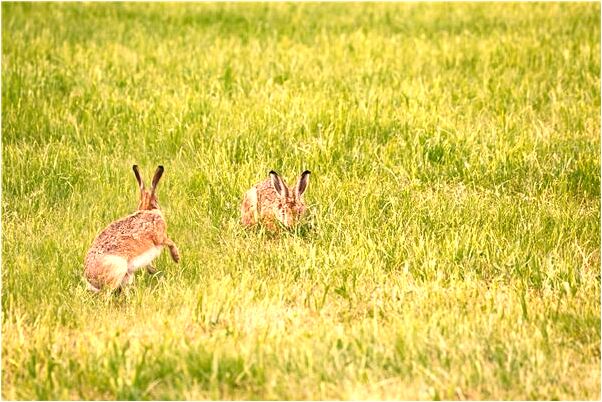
{"type": "Point", "coordinates": [452, 249]}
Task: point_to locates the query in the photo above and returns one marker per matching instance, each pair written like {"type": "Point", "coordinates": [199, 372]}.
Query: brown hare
{"type": "Point", "coordinates": [129, 243]}
{"type": "Point", "coordinates": [271, 201]}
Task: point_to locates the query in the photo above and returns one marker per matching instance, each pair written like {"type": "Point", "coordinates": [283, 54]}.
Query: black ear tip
{"type": "Point", "coordinates": [135, 167]}
{"type": "Point", "coordinates": [160, 167]}
{"type": "Point", "coordinates": [272, 172]}
{"type": "Point", "coordinates": [306, 172]}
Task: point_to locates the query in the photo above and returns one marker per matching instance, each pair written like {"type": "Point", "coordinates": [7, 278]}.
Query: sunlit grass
{"type": "Point", "coordinates": [452, 248]}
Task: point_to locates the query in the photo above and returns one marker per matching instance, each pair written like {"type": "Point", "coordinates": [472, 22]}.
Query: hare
{"type": "Point", "coordinates": [129, 243]}
{"type": "Point", "coordinates": [271, 201]}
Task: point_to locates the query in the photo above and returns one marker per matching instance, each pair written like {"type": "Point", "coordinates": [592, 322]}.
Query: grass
{"type": "Point", "coordinates": [452, 250]}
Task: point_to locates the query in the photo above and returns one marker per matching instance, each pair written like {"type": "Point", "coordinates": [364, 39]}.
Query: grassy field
{"type": "Point", "coordinates": [453, 245]}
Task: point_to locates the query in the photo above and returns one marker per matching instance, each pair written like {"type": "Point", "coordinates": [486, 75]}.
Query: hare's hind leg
{"type": "Point", "coordinates": [126, 283]}
{"type": "Point", "coordinates": [91, 288]}
{"type": "Point", "coordinates": [150, 269]}
{"type": "Point", "coordinates": [115, 269]}
{"type": "Point", "coordinates": [105, 272]}
{"type": "Point", "coordinates": [128, 279]}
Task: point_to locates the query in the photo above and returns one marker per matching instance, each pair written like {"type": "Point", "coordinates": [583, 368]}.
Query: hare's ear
{"type": "Point", "coordinates": [138, 178]}
{"type": "Point", "coordinates": [302, 184]}
{"type": "Point", "coordinates": [278, 184]}
{"type": "Point", "coordinates": [156, 177]}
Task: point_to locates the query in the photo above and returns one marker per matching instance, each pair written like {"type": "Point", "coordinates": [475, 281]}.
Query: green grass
{"type": "Point", "coordinates": [453, 245]}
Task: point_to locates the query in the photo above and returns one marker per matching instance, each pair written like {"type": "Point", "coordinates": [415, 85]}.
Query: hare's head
{"type": "Point", "coordinates": [148, 198]}
{"type": "Point", "coordinates": [290, 206]}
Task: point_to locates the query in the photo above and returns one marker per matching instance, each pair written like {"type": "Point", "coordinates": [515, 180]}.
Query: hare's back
{"type": "Point", "coordinates": [266, 194]}
{"type": "Point", "coordinates": [129, 235]}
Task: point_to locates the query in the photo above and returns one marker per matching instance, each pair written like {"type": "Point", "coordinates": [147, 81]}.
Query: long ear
{"type": "Point", "coordinates": [138, 178]}
{"type": "Point", "coordinates": [302, 184]}
{"type": "Point", "coordinates": [278, 184]}
{"type": "Point", "coordinates": [156, 177]}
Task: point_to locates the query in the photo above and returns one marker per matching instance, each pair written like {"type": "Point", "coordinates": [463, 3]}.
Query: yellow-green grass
{"type": "Point", "coordinates": [453, 244]}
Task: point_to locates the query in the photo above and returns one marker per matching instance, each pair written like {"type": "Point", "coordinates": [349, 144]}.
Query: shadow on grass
{"type": "Point", "coordinates": [120, 298]}
{"type": "Point", "coordinates": [303, 231]}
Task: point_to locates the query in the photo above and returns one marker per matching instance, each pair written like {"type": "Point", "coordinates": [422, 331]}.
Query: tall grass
{"type": "Point", "coordinates": [452, 248]}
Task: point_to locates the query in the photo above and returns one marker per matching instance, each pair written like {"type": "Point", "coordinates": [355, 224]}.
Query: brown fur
{"type": "Point", "coordinates": [110, 260]}
{"type": "Point", "coordinates": [262, 203]}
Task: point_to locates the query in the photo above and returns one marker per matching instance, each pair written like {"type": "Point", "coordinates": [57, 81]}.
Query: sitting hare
{"type": "Point", "coordinates": [271, 201]}
{"type": "Point", "coordinates": [129, 243]}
